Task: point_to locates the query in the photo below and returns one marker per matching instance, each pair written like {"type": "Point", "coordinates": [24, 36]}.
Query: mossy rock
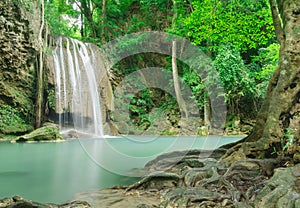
{"type": "Point", "coordinates": [48, 132]}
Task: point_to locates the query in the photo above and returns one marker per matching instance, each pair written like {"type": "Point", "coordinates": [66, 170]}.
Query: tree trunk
{"type": "Point", "coordinates": [270, 135]}
{"type": "Point", "coordinates": [85, 8]}
{"type": "Point", "coordinates": [82, 26]}
{"type": "Point", "coordinates": [179, 98]}
{"type": "Point", "coordinates": [103, 19]}
{"type": "Point", "coordinates": [207, 113]}
{"type": "Point", "coordinates": [40, 72]}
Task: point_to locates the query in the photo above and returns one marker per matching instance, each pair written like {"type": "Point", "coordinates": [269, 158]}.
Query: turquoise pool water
{"type": "Point", "coordinates": [55, 172]}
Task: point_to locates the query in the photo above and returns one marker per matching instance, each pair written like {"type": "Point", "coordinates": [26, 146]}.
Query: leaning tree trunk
{"type": "Point", "coordinates": [269, 137]}
{"type": "Point", "coordinates": [179, 98]}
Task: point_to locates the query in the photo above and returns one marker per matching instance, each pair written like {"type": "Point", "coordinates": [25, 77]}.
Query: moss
{"type": "Point", "coordinates": [51, 97]}
{"type": "Point", "coordinates": [168, 133]}
{"type": "Point", "coordinates": [12, 121]}
{"type": "Point", "coordinates": [8, 137]}
{"type": "Point", "coordinates": [46, 133]}
{"type": "Point", "coordinates": [296, 158]}
{"type": "Point", "coordinates": [17, 68]}
{"type": "Point", "coordinates": [17, 129]}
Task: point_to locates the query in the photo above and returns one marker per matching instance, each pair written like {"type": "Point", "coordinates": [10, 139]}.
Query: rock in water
{"type": "Point", "coordinates": [19, 202]}
{"type": "Point", "coordinates": [49, 132]}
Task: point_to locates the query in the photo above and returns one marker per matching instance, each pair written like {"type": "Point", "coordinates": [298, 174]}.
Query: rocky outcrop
{"type": "Point", "coordinates": [49, 132]}
{"type": "Point", "coordinates": [18, 50]}
{"type": "Point", "coordinates": [18, 202]}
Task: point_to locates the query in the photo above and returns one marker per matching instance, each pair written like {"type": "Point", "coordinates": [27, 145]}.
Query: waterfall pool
{"type": "Point", "coordinates": [55, 172]}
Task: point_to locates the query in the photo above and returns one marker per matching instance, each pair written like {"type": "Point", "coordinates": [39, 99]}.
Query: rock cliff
{"type": "Point", "coordinates": [19, 21]}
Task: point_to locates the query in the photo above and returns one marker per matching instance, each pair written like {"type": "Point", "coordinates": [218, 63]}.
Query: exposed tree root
{"type": "Point", "coordinates": [210, 183]}
{"type": "Point", "coordinates": [206, 182]}
{"type": "Point", "coordinates": [158, 180]}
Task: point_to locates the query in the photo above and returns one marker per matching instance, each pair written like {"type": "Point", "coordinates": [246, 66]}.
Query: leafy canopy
{"type": "Point", "coordinates": [245, 24]}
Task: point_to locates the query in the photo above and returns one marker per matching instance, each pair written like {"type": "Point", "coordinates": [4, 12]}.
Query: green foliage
{"type": "Point", "coordinates": [61, 18]}
{"type": "Point", "coordinates": [263, 66]}
{"type": "Point", "coordinates": [51, 98]}
{"type": "Point", "coordinates": [9, 115]}
{"type": "Point", "coordinates": [245, 24]}
{"type": "Point", "coordinates": [224, 29]}
{"type": "Point", "coordinates": [145, 101]}
{"type": "Point", "coordinates": [181, 10]}
{"type": "Point", "coordinates": [26, 4]}
{"type": "Point", "coordinates": [197, 86]}
{"type": "Point", "coordinates": [140, 106]}
{"type": "Point", "coordinates": [286, 141]}
{"type": "Point", "coordinates": [233, 74]}
{"type": "Point", "coordinates": [12, 121]}
{"type": "Point", "coordinates": [85, 19]}
{"type": "Point", "coordinates": [161, 4]}
{"type": "Point", "coordinates": [22, 95]}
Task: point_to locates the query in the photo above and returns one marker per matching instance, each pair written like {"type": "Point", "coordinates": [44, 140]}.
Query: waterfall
{"type": "Point", "coordinates": [77, 97]}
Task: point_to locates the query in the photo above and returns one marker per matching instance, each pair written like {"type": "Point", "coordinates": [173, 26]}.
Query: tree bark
{"type": "Point", "coordinates": [281, 104]}
{"type": "Point", "coordinates": [276, 21]}
{"type": "Point", "coordinates": [88, 14]}
{"type": "Point", "coordinates": [179, 98]}
{"type": "Point", "coordinates": [207, 113]}
{"type": "Point", "coordinates": [103, 19]}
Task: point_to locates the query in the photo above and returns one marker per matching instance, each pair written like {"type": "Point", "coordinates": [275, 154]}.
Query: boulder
{"type": "Point", "coordinates": [48, 132]}
{"type": "Point", "coordinates": [19, 202]}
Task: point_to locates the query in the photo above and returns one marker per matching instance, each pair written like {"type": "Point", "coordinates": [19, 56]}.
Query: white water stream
{"type": "Point", "coordinates": [77, 96]}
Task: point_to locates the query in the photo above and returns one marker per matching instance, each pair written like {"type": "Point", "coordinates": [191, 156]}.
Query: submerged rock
{"type": "Point", "coordinates": [48, 132]}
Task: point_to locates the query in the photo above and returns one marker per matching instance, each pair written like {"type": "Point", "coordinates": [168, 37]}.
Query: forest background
{"type": "Point", "coordinates": [237, 35]}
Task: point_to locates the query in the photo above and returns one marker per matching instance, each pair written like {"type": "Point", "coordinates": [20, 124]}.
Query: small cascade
{"type": "Point", "coordinates": [77, 97]}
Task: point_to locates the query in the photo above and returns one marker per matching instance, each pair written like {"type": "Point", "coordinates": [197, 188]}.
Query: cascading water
{"type": "Point", "coordinates": [77, 96]}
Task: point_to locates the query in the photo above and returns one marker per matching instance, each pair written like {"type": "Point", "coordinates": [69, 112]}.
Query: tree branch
{"type": "Point", "coordinates": [277, 22]}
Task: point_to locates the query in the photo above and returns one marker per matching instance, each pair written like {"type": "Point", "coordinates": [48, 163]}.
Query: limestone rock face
{"type": "Point", "coordinates": [18, 49]}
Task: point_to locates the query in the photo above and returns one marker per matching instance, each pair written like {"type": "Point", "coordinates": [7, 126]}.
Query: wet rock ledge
{"type": "Point", "coordinates": [19, 202]}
